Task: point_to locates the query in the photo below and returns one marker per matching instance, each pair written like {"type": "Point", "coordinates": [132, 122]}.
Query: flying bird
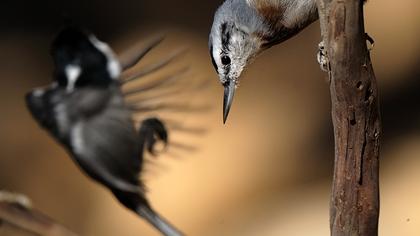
{"type": "Point", "coordinates": [85, 109]}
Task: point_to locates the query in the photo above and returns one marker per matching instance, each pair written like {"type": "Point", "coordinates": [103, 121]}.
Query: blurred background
{"type": "Point", "coordinates": [266, 172]}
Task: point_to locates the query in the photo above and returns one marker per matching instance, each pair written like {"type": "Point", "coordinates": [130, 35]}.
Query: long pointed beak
{"type": "Point", "coordinates": [228, 98]}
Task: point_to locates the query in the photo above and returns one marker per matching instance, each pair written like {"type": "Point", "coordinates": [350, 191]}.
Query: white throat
{"type": "Point", "coordinates": [72, 73]}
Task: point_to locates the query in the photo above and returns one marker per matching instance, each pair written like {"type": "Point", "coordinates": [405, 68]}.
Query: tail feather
{"type": "Point", "coordinates": [157, 221]}
{"type": "Point", "coordinates": [137, 203]}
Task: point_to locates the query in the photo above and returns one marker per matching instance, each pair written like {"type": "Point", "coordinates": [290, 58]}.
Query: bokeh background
{"type": "Point", "coordinates": [267, 172]}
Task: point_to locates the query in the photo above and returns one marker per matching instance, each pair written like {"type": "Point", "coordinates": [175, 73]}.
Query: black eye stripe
{"type": "Point", "coordinates": [225, 40]}
{"type": "Point", "coordinates": [225, 37]}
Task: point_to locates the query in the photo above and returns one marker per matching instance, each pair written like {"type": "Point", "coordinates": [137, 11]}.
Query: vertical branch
{"type": "Point", "coordinates": [354, 207]}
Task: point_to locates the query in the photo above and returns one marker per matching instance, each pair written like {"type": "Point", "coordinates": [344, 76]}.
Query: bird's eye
{"type": "Point", "coordinates": [225, 60]}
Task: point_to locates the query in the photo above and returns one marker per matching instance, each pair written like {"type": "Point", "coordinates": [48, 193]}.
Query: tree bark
{"type": "Point", "coordinates": [17, 219]}
{"type": "Point", "coordinates": [354, 206]}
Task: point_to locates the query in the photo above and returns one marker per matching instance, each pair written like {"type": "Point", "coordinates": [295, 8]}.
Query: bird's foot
{"type": "Point", "coordinates": [152, 130]}
{"type": "Point", "coordinates": [322, 57]}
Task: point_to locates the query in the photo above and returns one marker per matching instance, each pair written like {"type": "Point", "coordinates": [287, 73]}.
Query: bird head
{"type": "Point", "coordinates": [238, 35]}
{"type": "Point", "coordinates": [82, 60]}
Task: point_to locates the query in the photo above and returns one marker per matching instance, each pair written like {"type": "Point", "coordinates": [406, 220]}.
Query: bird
{"type": "Point", "coordinates": [242, 29]}
{"type": "Point", "coordinates": [85, 110]}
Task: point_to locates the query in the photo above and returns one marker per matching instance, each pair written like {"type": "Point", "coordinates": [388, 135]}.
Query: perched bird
{"type": "Point", "coordinates": [84, 109]}
{"type": "Point", "coordinates": [244, 28]}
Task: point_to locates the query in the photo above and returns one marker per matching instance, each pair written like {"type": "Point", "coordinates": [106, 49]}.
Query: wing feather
{"type": "Point", "coordinates": [106, 146]}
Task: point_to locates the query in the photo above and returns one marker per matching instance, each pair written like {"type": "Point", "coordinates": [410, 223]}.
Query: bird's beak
{"type": "Point", "coordinates": [230, 87]}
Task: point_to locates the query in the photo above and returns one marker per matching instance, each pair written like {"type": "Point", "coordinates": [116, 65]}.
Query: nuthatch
{"type": "Point", "coordinates": [84, 110]}
{"type": "Point", "coordinates": [244, 28]}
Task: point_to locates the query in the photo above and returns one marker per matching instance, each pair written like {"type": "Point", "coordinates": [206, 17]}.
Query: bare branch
{"type": "Point", "coordinates": [16, 213]}
{"type": "Point", "coordinates": [354, 208]}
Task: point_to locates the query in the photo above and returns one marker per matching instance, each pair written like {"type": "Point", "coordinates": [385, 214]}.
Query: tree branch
{"type": "Point", "coordinates": [16, 215]}
{"type": "Point", "coordinates": [354, 207]}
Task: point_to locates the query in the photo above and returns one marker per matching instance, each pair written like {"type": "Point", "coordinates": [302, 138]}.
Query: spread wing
{"type": "Point", "coordinates": [106, 143]}
{"type": "Point", "coordinates": [165, 90]}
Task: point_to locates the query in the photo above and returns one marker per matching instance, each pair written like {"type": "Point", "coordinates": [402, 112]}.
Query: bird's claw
{"type": "Point", "coordinates": [152, 130]}
{"type": "Point", "coordinates": [322, 57]}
